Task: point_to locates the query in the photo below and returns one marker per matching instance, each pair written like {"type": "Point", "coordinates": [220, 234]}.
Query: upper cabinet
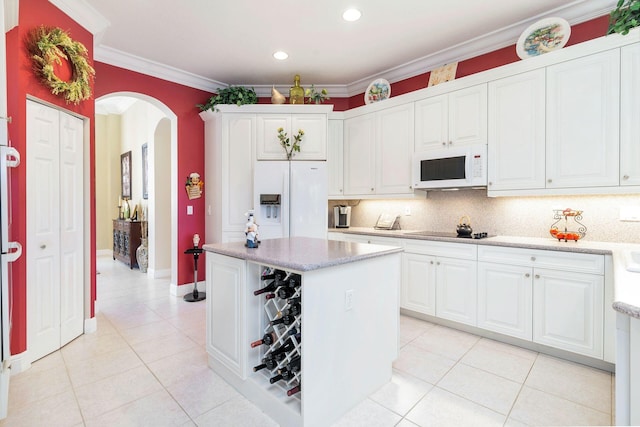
{"type": "Point", "coordinates": [516, 150]}
{"type": "Point", "coordinates": [335, 157]}
{"type": "Point", "coordinates": [630, 115]}
{"type": "Point", "coordinates": [377, 152]}
{"type": "Point", "coordinates": [582, 121]}
{"type": "Point", "coordinates": [314, 141]}
{"type": "Point", "coordinates": [453, 119]}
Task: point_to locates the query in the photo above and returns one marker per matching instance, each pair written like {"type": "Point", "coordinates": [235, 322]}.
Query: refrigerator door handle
{"type": "Point", "coordinates": [15, 251]}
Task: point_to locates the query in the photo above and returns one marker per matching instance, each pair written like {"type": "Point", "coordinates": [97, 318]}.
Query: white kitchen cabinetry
{"type": "Point", "coordinates": [359, 155]}
{"type": "Point", "coordinates": [455, 276]}
{"type": "Point", "coordinates": [229, 153]}
{"type": "Point", "coordinates": [454, 119]}
{"type": "Point", "coordinates": [582, 137]}
{"type": "Point", "coordinates": [377, 152]}
{"type": "Point", "coordinates": [516, 146]}
{"type": "Point", "coordinates": [226, 302]}
{"type": "Point", "coordinates": [335, 157]}
{"type": "Point", "coordinates": [567, 296]}
{"type": "Point", "coordinates": [630, 115]}
{"type": "Point", "coordinates": [314, 141]}
{"type": "Point", "coordinates": [505, 299]}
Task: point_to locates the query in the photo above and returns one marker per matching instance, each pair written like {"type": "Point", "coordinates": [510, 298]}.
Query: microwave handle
{"type": "Point", "coordinates": [468, 165]}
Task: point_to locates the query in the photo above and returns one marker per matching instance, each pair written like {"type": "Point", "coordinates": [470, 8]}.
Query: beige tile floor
{"type": "Point", "coordinates": [146, 366]}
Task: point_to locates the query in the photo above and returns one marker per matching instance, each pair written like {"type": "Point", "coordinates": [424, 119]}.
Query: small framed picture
{"type": "Point", "coordinates": [443, 74]}
{"type": "Point", "coordinates": [125, 171]}
{"type": "Point", "coordinates": [145, 172]}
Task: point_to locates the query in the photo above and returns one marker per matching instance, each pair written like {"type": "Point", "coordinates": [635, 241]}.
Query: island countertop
{"type": "Point", "coordinates": [302, 253]}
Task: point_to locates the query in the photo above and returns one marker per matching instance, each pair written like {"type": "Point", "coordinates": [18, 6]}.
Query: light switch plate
{"type": "Point", "coordinates": [189, 210]}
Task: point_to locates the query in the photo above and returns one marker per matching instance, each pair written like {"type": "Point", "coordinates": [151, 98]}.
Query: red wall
{"type": "Point", "coordinates": [21, 81]}
{"type": "Point", "coordinates": [182, 101]}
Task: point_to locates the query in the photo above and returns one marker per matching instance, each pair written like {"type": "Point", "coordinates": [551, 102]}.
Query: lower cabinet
{"type": "Point", "coordinates": [456, 290]}
{"type": "Point", "coordinates": [505, 300]}
{"type": "Point", "coordinates": [418, 288]}
{"type": "Point", "coordinates": [568, 311]}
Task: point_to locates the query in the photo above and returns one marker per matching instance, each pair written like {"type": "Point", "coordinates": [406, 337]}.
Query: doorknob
{"type": "Point", "coordinates": [43, 246]}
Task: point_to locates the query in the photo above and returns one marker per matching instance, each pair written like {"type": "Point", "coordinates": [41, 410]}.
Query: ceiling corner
{"type": "Point", "coordinates": [84, 14]}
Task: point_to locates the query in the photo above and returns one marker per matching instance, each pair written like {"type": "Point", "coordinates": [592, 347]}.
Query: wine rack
{"type": "Point", "coordinates": [281, 302]}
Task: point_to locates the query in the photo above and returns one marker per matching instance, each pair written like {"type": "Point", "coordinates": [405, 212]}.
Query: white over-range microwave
{"type": "Point", "coordinates": [453, 167]}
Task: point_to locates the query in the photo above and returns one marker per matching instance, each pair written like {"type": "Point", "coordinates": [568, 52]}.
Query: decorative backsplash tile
{"type": "Point", "coordinates": [507, 216]}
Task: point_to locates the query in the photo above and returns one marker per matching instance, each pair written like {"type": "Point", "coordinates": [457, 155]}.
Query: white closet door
{"type": "Point", "coordinates": [71, 228]}
{"type": "Point", "coordinates": [54, 229]}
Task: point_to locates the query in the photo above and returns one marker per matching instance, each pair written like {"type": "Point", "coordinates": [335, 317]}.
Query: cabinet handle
{"type": "Point", "coordinates": [533, 258]}
{"type": "Point", "coordinates": [537, 276]}
{"type": "Point", "coordinates": [625, 177]}
{"type": "Point", "coordinates": [527, 275]}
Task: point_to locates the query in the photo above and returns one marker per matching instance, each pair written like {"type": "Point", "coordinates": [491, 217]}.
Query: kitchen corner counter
{"type": "Point", "coordinates": [302, 253]}
{"type": "Point", "coordinates": [626, 284]}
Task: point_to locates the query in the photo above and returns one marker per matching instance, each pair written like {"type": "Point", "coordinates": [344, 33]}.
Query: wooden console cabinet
{"type": "Point", "coordinates": [126, 239]}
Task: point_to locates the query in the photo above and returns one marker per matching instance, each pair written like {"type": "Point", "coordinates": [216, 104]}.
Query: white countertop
{"type": "Point", "coordinates": [302, 253]}
{"type": "Point", "coordinates": [626, 284]}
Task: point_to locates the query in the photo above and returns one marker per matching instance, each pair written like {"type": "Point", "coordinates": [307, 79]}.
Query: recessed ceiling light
{"type": "Point", "coordinates": [280, 55]}
{"type": "Point", "coordinates": [351, 15]}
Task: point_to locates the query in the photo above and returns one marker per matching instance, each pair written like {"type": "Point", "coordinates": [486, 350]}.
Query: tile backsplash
{"type": "Point", "coordinates": [512, 216]}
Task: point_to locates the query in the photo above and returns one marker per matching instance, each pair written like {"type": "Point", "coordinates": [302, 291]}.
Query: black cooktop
{"type": "Point", "coordinates": [426, 233]}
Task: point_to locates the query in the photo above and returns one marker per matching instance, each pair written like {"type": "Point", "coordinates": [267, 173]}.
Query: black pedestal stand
{"type": "Point", "coordinates": [195, 295]}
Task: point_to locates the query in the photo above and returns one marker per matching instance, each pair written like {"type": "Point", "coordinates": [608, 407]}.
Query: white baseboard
{"type": "Point", "coordinates": [159, 274]}
{"type": "Point", "coordinates": [20, 362]}
{"type": "Point", "coordinates": [90, 325]}
{"type": "Point", "coordinates": [187, 288]}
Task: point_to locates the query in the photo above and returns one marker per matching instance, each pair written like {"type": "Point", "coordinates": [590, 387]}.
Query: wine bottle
{"type": "Point", "coordinates": [294, 300]}
{"type": "Point", "coordinates": [290, 368]}
{"type": "Point", "coordinates": [285, 292]}
{"type": "Point", "coordinates": [270, 296]}
{"type": "Point", "coordinates": [289, 345]}
{"type": "Point", "coordinates": [294, 390]}
{"type": "Point", "coordinates": [293, 309]}
{"type": "Point", "coordinates": [287, 319]}
{"type": "Point", "coordinates": [274, 275]}
{"type": "Point", "coordinates": [268, 362]}
{"type": "Point", "coordinates": [269, 288]}
{"type": "Point", "coordinates": [267, 339]}
{"type": "Point", "coordinates": [294, 281]}
{"type": "Point", "coordinates": [275, 379]}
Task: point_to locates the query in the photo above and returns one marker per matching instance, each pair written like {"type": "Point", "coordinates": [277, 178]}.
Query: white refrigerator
{"type": "Point", "coordinates": [290, 199]}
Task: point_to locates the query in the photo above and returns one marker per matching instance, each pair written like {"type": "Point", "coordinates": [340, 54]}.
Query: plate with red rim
{"type": "Point", "coordinates": [544, 36]}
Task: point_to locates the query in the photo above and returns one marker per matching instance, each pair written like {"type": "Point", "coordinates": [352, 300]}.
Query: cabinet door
{"type": "Point", "coordinates": [629, 115]}
{"type": "Point", "coordinates": [268, 145]}
{"type": "Point", "coordinates": [456, 290]}
{"type": "Point", "coordinates": [432, 123]}
{"type": "Point", "coordinates": [418, 289]}
{"type": "Point", "coordinates": [505, 300]}
{"type": "Point", "coordinates": [359, 155]}
{"type": "Point", "coordinates": [314, 141]}
{"type": "Point", "coordinates": [468, 116]}
{"type": "Point", "coordinates": [516, 132]}
{"type": "Point", "coordinates": [582, 147]}
{"type": "Point", "coordinates": [335, 157]}
{"type": "Point", "coordinates": [568, 311]}
{"type": "Point", "coordinates": [226, 291]}
{"type": "Point", "coordinates": [238, 141]}
{"type": "Point", "coordinates": [394, 148]}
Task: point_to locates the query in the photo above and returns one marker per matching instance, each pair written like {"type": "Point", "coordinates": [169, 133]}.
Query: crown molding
{"type": "Point", "coordinates": [574, 12]}
{"type": "Point", "coordinates": [141, 65]}
{"type": "Point", "coordinates": [84, 14]}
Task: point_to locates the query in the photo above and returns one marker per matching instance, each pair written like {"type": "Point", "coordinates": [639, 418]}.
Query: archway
{"type": "Point", "coordinates": [165, 133]}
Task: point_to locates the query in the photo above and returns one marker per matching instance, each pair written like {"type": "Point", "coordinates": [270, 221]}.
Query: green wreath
{"type": "Point", "coordinates": [46, 46]}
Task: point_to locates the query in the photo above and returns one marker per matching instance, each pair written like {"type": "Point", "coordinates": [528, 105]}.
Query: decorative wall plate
{"type": "Point", "coordinates": [378, 90]}
{"type": "Point", "coordinates": [544, 36]}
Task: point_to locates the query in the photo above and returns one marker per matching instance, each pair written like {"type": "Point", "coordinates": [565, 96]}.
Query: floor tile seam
{"type": "Point", "coordinates": [22, 405]}
{"type": "Point", "coordinates": [151, 338]}
{"type": "Point", "coordinates": [522, 388]}
{"type": "Point", "coordinates": [492, 373]}
{"type": "Point", "coordinates": [119, 407]}
{"type": "Point", "coordinates": [130, 368]}
{"type": "Point", "coordinates": [565, 399]}
{"type": "Point", "coordinates": [409, 410]}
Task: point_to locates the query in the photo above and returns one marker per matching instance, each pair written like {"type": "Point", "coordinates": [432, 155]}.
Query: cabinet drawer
{"type": "Point", "coordinates": [441, 249]}
{"type": "Point", "coordinates": [373, 240]}
{"type": "Point", "coordinates": [559, 260]}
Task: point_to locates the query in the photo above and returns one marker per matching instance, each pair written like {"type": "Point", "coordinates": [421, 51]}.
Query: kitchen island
{"type": "Point", "coordinates": [334, 307]}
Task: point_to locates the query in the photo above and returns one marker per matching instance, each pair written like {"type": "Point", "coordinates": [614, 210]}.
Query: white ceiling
{"type": "Point", "coordinates": [210, 44]}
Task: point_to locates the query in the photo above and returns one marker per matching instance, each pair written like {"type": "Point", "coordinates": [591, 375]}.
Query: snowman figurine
{"type": "Point", "coordinates": [251, 231]}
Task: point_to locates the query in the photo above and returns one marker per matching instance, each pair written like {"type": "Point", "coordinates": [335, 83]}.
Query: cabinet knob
{"type": "Point", "coordinates": [444, 143]}
{"type": "Point", "coordinates": [450, 143]}
{"type": "Point", "coordinates": [372, 189]}
{"type": "Point", "coordinates": [341, 190]}
{"type": "Point", "coordinates": [490, 183]}
{"type": "Point", "coordinates": [533, 258]}
{"type": "Point", "coordinates": [43, 246]}
{"type": "Point", "coordinates": [537, 276]}
{"type": "Point", "coordinates": [527, 275]}
{"type": "Point", "coordinates": [410, 187]}
{"type": "Point", "coordinates": [438, 263]}
{"type": "Point", "coordinates": [625, 177]}
{"type": "Point", "coordinates": [549, 180]}
{"type": "Point", "coordinates": [431, 262]}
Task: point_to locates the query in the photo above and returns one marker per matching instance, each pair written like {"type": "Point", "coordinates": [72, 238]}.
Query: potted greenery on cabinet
{"type": "Point", "coordinates": [237, 95]}
{"type": "Point", "coordinates": [624, 17]}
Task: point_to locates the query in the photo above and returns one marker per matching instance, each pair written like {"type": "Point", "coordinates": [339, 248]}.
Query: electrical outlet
{"type": "Point", "coordinates": [348, 300]}
{"type": "Point", "coordinates": [630, 213]}
{"type": "Point", "coordinates": [407, 211]}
